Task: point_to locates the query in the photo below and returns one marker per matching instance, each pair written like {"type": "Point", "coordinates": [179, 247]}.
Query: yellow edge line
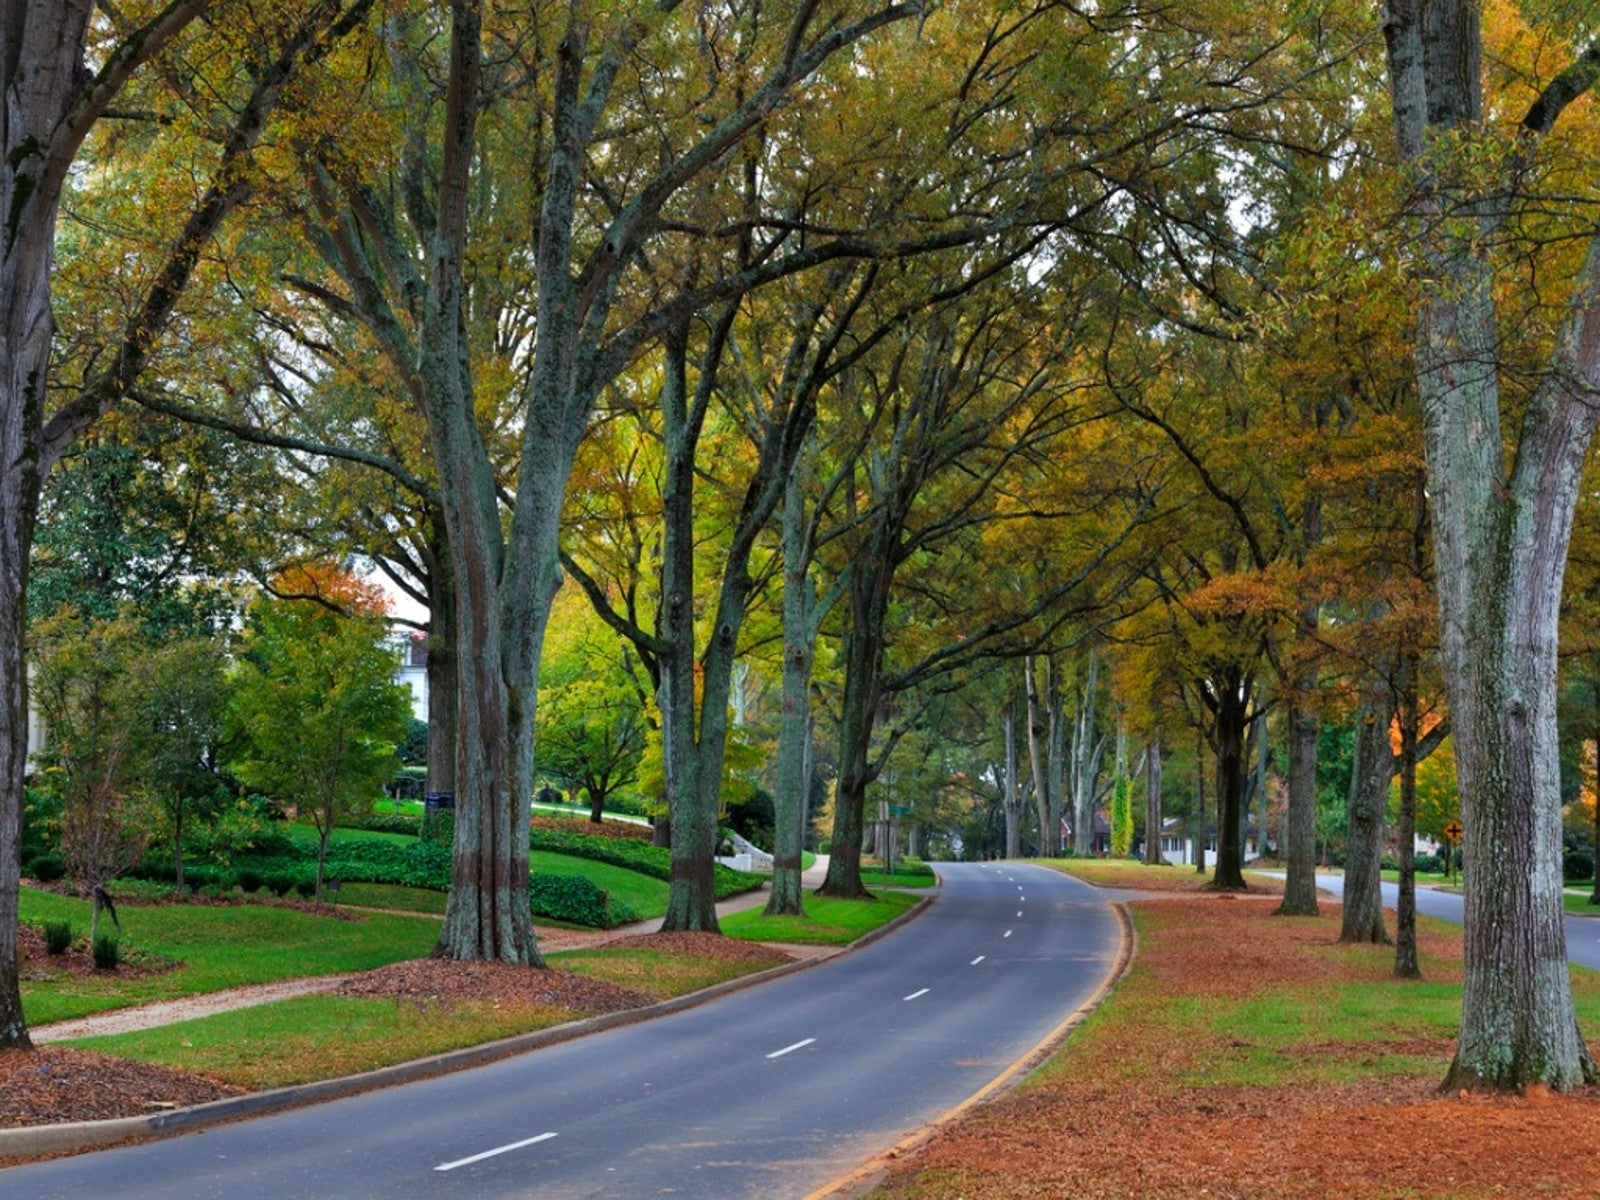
{"type": "Point", "coordinates": [850, 1183]}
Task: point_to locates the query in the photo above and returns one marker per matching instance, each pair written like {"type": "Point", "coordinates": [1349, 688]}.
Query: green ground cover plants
{"type": "Point", "coordinates": [828, 921]}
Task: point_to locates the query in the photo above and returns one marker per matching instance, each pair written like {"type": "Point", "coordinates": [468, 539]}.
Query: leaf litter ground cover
{"type": "Point", "coordinates": [1247, 1055]}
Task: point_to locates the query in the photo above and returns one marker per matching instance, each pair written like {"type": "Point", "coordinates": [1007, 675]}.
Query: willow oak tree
{"type": "Point", "coordinates": [53, 100]}
{"type": "Point", "coordinates": [606, 201]}
{"type": "Point", "coordinates": [1502, 488]}
{"type": "Point", "coordinates": [980, 398]}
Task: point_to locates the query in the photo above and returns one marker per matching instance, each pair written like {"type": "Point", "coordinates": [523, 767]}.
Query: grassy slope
{"type": "Point", "coordinates": [828, 922]}
{"type": "Point", "coordinates": [219, 947]}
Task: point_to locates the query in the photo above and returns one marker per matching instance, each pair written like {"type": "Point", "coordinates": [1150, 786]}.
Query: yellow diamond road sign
{"type": "Point", "coordinates": [1452, 832]}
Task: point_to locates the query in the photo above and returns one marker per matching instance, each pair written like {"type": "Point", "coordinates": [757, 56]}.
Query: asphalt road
{"type": "Point", "coordinates": [769, 1092]}
{"type": "Point", "coordinates": [1583, 933]}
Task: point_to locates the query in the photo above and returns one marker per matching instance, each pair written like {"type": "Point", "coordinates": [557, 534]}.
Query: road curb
{"type": "Point", "coordinates": [36, 1141]}
{"type": "Point", "coordinates": [863, 1178]}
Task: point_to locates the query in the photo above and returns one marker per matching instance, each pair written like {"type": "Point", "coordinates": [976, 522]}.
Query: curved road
{"type": "Point", "coordinates": [1583, 933]}
{"type": "Point", "coordinates": [771, 1091]}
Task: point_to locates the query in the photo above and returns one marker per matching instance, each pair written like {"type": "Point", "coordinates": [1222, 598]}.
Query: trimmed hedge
{"type": "Point", "coordinates": [634, 855]}
{"type": "Point", "coordinates": [577, 899]}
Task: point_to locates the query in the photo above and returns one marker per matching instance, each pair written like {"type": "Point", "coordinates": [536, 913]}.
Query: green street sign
{"type": "Point", "coordinates": [899, 810]}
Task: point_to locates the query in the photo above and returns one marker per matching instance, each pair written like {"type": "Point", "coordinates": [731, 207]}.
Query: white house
{"type": "Point", "coordinates": [413, 670]}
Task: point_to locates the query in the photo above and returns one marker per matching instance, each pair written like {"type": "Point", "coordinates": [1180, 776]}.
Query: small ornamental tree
{"type": "Point", "coordinates": [88, 690]}
{"type": "Point", "coordinates": [314, 712]}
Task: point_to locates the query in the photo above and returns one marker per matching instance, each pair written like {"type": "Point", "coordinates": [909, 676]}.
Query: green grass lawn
{"type": "Point", "coordinates": [391, 896]}
{"type": "Point", "coordinates": [219, 947]}
{"type": "Point", "coordinates": [828, 922]}
{"type": "Point", "coordinates": [318, 1037]}
{"type": "Point", "coordinates": [322, 1037]}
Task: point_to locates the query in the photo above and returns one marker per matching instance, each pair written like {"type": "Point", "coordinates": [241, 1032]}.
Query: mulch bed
{"type": "Point", "coordinates": [439, 981]}
{"type": "Point", "coordinates": [36, 962]}
{"type": "Point", "coordinates": [52, 1084]}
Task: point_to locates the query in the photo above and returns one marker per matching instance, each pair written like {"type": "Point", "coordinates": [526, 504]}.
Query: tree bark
{"type": "Point", "coordinates": [1231, 697]}
{"type": "Point", "coordinates": [1501, 532]}
{"type": "Point", "coordinates": [1038, 756]}
{"type": "Point", "coordinates": [47, 105]}
{"type": "Point", "coordinates": [1086, 753]}
{"type": "Point", "coordinates": [1405, 938]}
{"type": "Point", "coordinates": [1008, 730]}
{"type": "Point", "coordinates": [1300, 838]}
{"type": "Point", "coordinates": [1152, 801]}
{"type": "Point", "coordinates": [1370, 773]}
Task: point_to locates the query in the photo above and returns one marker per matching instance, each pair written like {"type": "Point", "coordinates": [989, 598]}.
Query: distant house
{"type": "Point", "coordinates": [1177, 847]}
{"type": "Point", "coordinates": [413, 670]}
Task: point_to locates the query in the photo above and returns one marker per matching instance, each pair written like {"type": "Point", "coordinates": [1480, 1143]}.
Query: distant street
{"type": "Point", "coordinates": [770, 1092]}
{"type": "Point", "coordinates": [1583, 933]}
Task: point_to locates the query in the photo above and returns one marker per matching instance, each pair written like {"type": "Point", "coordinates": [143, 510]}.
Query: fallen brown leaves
{"type": "Point", "coordinates": [1118, 1114]}
{"type": "Point", "coordinates": [54, 1084]}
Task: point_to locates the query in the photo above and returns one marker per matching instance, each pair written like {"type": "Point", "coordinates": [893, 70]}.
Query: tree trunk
{"type": "Point", "coordinates": [43, 52]}
{"type": "Point", "coordinates": [1262, 753]}
{"type": "Point", "coordinates": [1232, 706]}
{"type": "Point", "coordinates": [1013, 803]}
{"type": "Point", "coordinates": [1199, 832]}
{"type": "Point", "coordinates": [443, 699]}
{"type": "Point", "coordinates": [1594, 896]}
{"type": "Point", "coordinates": [1501, 532]}
{"type": "Point", "coordinates": [1038, 756]}
{"type": "Point", "coordinates": [1405, 938]}
{"type": "Point", "coordinates": [1300, 838]}
{"type": "Point", "coordinates": [1086, 751]}
{"type": "Point", "coordinates": [1370, 772]}
{"type": "Point", "coordinates": [794, 721]}
{"type": "Point", "coordinates": [863, 655]}
{"type": "Point", "coordinates": [1058, 748]}
{"type": "Point", "coordinates": [1152, 801]}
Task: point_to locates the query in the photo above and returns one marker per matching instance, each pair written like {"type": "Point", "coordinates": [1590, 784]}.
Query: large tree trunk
{"type": "Point", "coordinates": [1300, 836]}
{"type": "Point", "coordinates": [1232, 706]}
{"type": "Point", "coordinates": [443, 697]}
{"type": "Point", "coordinates": [1501, 531]}
{"type": "Point", "coordinates": [1370, 772]}
{"type": "Point", "coordinates": [1198, 833]}
{"type": "Point", "coordinates": [41, 54]}
{"type": "Point", "coordinates": [863, 655]}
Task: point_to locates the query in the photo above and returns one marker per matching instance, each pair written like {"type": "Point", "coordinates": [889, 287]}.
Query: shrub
{"type": "Point", "coordinates": [1577, 866]}
{"type": "Point", "coordinates": [107, 950]}
{"type": "Point", "coordinates": [305, 888]}
{"type": "Point", "coordinates": [576, 899]}
{"type": "Point", "coordinates": [635, 855]}
{"type": "Point", "coordinates": [387, 823]}
{"type": "Point", "coordinates": [1427, 862]}
{"type": "Point", "coordinates": [250, 880]}
{"type": "Point", "coordinates": [57, 936]}
{"type": "Point", "coordinates": [279, 883]}
{"type": "Point", "coordinates": [46, 868]}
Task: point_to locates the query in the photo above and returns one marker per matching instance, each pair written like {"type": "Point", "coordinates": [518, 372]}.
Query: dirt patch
{"type": "Point", "coordinates": [1126, 1110]}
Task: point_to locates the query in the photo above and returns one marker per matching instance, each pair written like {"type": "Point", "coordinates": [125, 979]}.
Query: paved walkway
{"type": "Point", "coordinates": [187, 1008]}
